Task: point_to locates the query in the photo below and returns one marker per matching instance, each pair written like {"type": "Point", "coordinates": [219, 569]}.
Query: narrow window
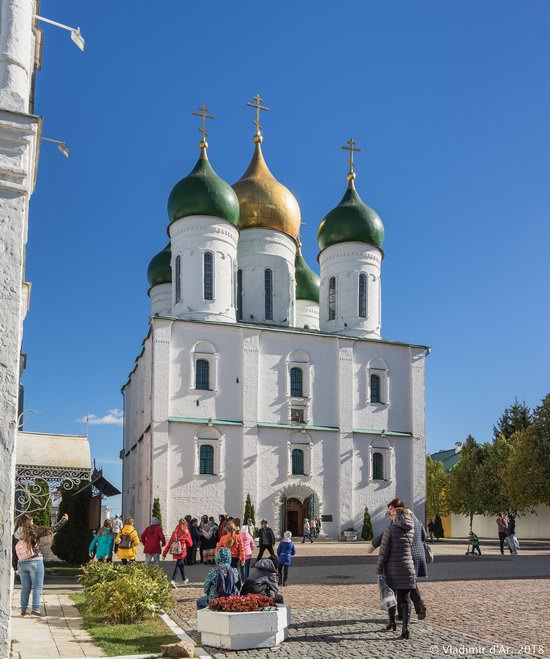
{"type": "Point", "coordinates": [178, 279]}
{"type": "Point", "coordinates": [362, 295]}
{"type": "Point", "coordinates": [208, 277]}
{"type": "Point", "coordinates": [297, 462]}
{"type": "Point", "coordinates": [375, 389]}
{"type": "Point", "coordinates": [268, 286]}
{"type": "Point", "coordinates": [296, 382]}
{"type": "Point", "coordinates": [332, 298]}
{"type": "Point", "coordinates": [202, 374]}
{"type": "Point", "coordinates": [239, 294]}
{"type": "Point", "coordinates": [206, 459]}
{"type": "Point", "coordinates": [377, 467]}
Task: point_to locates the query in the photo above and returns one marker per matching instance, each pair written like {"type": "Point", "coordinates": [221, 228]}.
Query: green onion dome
{"type": "Point", "coordinates": [159, 270]}
{"type": "Point", "coordinates": [203, 192]}
{"type": "Point", "coordinates": [351, 221]}
{"type": "Point", "coordinates": [307, 281]}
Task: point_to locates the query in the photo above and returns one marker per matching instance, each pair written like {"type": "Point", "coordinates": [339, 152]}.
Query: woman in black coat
{"type": "Point", "coordinates": [395, 561]}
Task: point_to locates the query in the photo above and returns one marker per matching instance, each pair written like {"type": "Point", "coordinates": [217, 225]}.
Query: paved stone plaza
{"type": "Point", "coordinates": [334, 600]}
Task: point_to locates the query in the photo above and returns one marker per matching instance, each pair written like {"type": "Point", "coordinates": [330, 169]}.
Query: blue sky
{"type": "Point", "coordinates": [449, 102]}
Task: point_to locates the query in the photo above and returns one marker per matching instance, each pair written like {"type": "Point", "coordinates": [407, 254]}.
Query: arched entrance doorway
{"type": "Point", "coordinates": [295, 512]}
{"type": "Point", "coordinates": [292, 505]}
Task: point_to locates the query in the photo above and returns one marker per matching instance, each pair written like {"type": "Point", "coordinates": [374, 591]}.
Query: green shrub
{"type": "Point", "coordinates": [156, 511]}
{"type": "Point", "coordinates": [125, 593]}
{"type": "Point", "coordinates": [366, 531]}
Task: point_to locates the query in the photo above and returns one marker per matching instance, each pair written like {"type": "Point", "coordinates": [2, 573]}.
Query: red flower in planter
{"type": "Point", "coordinates": [241, 603]}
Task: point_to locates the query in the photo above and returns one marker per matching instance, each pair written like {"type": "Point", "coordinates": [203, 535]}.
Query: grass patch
{"type": "Point", "coordinates": [138, 638]}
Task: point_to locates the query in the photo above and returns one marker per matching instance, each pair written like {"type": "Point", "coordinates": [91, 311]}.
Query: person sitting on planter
{"type": "Point", "coordinates": [221, 581]}
{"type": "Point", "coordinates": [262, 580]}
{"type": "Point", "coordinates": [285, 551]}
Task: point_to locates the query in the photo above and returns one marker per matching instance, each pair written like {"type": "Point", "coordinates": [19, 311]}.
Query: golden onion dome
{"type": "Point", "coordinates": [264, 202]}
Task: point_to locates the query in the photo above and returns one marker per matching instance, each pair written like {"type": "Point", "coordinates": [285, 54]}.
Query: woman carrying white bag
{"type": "Point", "coordinates": [513, 543]}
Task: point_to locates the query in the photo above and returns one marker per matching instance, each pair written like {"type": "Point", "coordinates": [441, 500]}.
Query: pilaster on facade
{"type": "Point", "coordinates": [345, 399]}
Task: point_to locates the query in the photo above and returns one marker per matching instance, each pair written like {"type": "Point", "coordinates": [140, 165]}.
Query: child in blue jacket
{"type": "Point", "coordinates": [285, 551]}
{"type": "Point", "coordinates": [102, 543]}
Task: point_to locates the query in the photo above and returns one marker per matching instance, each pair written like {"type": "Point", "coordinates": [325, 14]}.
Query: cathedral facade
{"type": "Point", "coordinates": [259, 377]}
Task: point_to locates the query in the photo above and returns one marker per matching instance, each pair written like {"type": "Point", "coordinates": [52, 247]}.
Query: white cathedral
{"type": "Point", "coordinates": [259, 377]}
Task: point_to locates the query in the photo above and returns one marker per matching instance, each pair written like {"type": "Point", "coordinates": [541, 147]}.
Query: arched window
{"type": "Point", "coordinates": [239, 294]}
{"type": "Point", "coordinates": [296, 382]}
{"type": "Point", "coordinates": [332, 298]}
{"type": "Point", "coordinates": [377, 467]}
{"type": "Point", "coordinates": [202, 374]}
{"type": "Point", "coordinates": [362, 295]}
{"type": "Point", "coordinates": [375, 389]}
{"type": "Point", "coordinates": [206, 459]}
{"type": "Point", "coordinates": [268, 286]}
{"type": "Point", "coordinates": [178, 279]}
{"type": "Point", "coordinates": [208, 276]}
{"type": "Point", "coordinates": [297, 462]}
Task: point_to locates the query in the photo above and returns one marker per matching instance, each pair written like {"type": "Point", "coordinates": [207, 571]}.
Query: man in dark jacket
{"type": "Point", "coordinates": [263, 580]}
{"type": "Point", "coordinates": [266, 540]}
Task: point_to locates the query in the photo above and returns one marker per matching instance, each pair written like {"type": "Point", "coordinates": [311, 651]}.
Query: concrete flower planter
{"type": "Point", "coordinates": [243, 631]}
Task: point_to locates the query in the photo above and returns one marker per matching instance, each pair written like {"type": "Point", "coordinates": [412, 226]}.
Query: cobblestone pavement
{"type": "Point", "coordinates": [356, 632]}
{"type": "Point", "coordinates": [510, 612]}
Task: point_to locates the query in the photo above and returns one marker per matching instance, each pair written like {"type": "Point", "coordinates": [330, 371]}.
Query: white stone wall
{"type": "Point", "coordinates": [161, 300]}
{"type": "Point", "coordinates": [532, 526]}
{"type": "Point", "coordinates": [258, 250]}
{"type": "Point", "coordinates": [345, 262]}
{"type": "Point", "coordinates": [307, 314]}
{"type": "Point", "coordinates": [190, 238]}
{"type": "Point", "coordinates": [19, 142]}
{"type": "Point", "coordinates": [250, 386]}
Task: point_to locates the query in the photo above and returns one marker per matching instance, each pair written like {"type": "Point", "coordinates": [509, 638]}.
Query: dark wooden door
{"type": "Point", "coordinates": [292, 522]}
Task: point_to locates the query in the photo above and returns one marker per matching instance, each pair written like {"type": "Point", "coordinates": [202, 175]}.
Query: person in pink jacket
{"type": "Point", "coordinates": [248, 546]}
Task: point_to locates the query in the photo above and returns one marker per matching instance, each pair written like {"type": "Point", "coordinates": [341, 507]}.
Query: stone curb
{"type": "Point", "coordinates": [178, 631]}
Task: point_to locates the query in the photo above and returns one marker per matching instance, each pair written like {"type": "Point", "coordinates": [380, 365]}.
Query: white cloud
{"type": "Point", "coordinates": [112, 418]}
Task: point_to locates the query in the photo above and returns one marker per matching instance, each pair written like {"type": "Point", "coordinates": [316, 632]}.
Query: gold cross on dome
{"type": "Point", "coordinates": [203, 114]}
{"type": "Point", "coordinates": [351, 148]}
{"type": "Point", "coordinates": [258, 107]}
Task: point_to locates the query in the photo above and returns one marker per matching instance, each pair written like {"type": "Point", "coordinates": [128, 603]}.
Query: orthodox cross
{"type": "Point", "coordinates": [258, 106]}
{"type": "Point", "coordinates": [352, 149]}
{"type": "Point", "coordinates": [203, 114]}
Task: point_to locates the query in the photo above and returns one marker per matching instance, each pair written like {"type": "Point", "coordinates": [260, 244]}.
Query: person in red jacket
{"type": "Point", "coordinates": [177, 546]}
{"type": "Point", "coordinates": [153, 540]}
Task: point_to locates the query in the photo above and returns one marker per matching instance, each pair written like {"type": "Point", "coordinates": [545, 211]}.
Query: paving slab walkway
{"type": "Point", "coordinates": [60, 634]}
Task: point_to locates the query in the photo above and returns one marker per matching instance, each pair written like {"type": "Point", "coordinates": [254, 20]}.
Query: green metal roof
{"type": "Point", "coordinates": [448, 458]}
{"type": "Point", "coordinates": [214, 422]}
{"type": "Point", "coordinates": [203, 192]}
{"type": "Point", "coordinates": [159, 270]}
{"type": "Point", "coordinates": [307, 281]}
{"type": "Point", "coordinates": [351, 221]}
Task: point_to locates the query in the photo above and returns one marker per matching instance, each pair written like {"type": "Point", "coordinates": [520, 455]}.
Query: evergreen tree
{"type": "Point", "coordinates": [438, 528]}
{"type": "Point", "coordinates": [528, 469]}
{"type": "Point", "coordinates": [43, 517]}
{"type": "Point", "coordinates": [464, 492]}
{"type": "Point", "coordinates": [156, 510]}
{"type": "Point", "coordinates": [71, 542]}
{"type": "Point", "coordinates": [437, 479]}
{"type": "Point", "coordinates": [516, 417]}
{"type": "Point", "coordinates": [249, 512]}
{"type": "Point", "coordinates": [366, 532]}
